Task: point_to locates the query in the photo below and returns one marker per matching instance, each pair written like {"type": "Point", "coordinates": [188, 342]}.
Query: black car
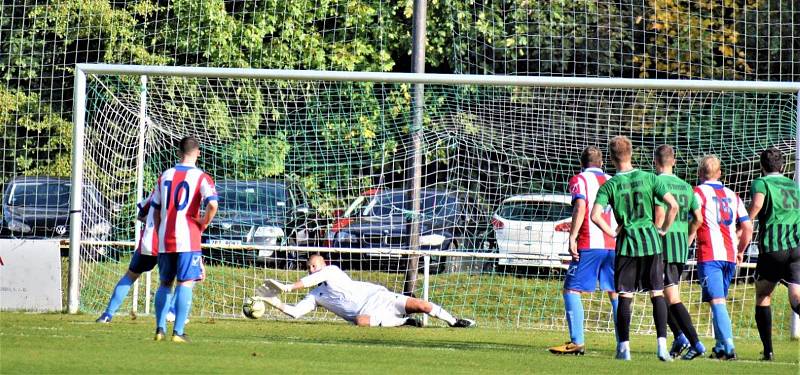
{"type": "Point", "coordinates": [263, 212]}
{"type": "Point", "coordinates": [38, 207]}
{"type": "Point", "coordinates": [448, 221]}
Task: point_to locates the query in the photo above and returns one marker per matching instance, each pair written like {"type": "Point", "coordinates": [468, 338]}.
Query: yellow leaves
{"type": "Point", "coordinates": [726, 50]}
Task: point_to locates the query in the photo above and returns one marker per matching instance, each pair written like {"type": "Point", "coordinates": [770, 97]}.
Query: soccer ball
{"type": "Point", "coordinates": [253, 308]}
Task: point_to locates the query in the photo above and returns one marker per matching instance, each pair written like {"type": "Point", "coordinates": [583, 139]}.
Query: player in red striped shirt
{"type": "Point", "coordinates": [144, 260]}
{"type": "Point", "coordinates": [592, 250]}
{"type": "Point", "coordinates": [721, 241]}
{"type": "Point", "coordinates": [180, 192]}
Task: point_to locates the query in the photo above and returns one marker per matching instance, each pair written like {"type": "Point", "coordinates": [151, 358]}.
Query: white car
{"type": "Point", "coordinates": [535, 226]}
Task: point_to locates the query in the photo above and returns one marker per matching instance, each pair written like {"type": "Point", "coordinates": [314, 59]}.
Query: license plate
{"type": "Point", "coordinates": [264, 253]}
{"type": "Point", "coordinates": [225, 242]}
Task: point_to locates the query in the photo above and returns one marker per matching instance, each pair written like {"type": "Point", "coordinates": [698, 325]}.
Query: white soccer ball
{"type": "Point", "coordinates": [253, 308]}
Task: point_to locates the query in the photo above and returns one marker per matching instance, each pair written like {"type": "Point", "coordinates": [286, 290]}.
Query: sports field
{"type": "Point", "coordinates": [57, 343]}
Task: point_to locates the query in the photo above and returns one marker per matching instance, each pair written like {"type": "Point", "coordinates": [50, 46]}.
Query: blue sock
{"type": "Point", "coordinates": [163, 295]}
{"type": "Point", "coordinates": [614, 303]}
{"type": "Point", "coordinates": [120, 292]}
{"type": "Point", "coordinates": [682, 339]}
{"type": "Point", "coordinates": [183, 303]}
{"type": "Point", "coordinates": [172, 303]}
{"type": "Point", "coordinates": [723, 322]}
{"type": "Point", "coordinates": [574, 308]}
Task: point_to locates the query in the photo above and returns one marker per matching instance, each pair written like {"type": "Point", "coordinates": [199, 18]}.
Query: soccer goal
{"type": "Point", "coordinates": [322, 162]}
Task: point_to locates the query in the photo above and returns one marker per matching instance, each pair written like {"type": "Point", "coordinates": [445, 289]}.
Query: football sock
{"type": "Point", "coordinates": [723, 320]}
{"type": "Point", "coordinates": [120, 292]}
{"type": "Point", "coordinates": [183, 303]}
{"type": "Point", "coordinates": [624, 319]}
{"type": "Point", "coordinates": [440, 313]}
{"type": "Point", "coordinates": [796, 309]}
{"type": "Point", "coordinates": [172, 303]}
{"type": "Point", "coordinates": [163, 295]}
{"type": "Point", "coordinates": [614, 305]}
{"type": "Point", "coordinates": [660, 315]}
{"type": "Point", "coordinates": [574, 308]}
{"type": "Point", "coordinates": [672, 322]}
{"type": "Point", "coordinates": [684, 321]}
{"type": "Point", "coordinates": [764, 324]}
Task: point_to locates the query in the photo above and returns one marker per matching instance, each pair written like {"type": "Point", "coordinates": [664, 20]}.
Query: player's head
{"type": "Point", "coordinates": [188, 146]}
{"type": "Point", "coordinates": [664, 156]}
{"type": "Point", "coordinates": [620, 149]}
{"type": "Point", "coordinates": [709, 168]}
{"type": "Point", "coordinates": [591, 157]}
{"type": "Point", "coordinates": [772, 160]}
{"type": "Point", "coordinates": [315, 263]}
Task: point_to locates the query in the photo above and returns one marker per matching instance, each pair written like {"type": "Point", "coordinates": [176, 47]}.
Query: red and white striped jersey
{"type": "Point", "coordinates": [180, 192]}
{"type": "Point", "coordinates": [584, 186]}
{"type": "Point", "coordinates": [722, 210]}
{"type": "Point", "coordinates": [148, 241]}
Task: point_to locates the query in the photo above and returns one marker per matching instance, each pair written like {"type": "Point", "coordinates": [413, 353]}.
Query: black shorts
{"type": "Point", "coordinates": [672, 274]}
{"type": "Point", "coordinates": [639, 274]}
{"type": "Point", "coordinates": [779, 266]}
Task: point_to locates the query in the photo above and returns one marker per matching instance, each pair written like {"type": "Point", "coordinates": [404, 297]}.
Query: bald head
{"type": "Point", "coordinates": [709, 168]}
{"type": "Point", "coordinates": [315, 263]}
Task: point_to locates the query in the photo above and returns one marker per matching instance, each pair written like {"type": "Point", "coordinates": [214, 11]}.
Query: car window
{"type": "Point", "coordinates": [252, 197]}
{"type": "Point", "coordinates": [395, 203]}
{"type": "Point", "coordinates": [39, 194]}
{"type": "Point", "coordinates": [535, 211]}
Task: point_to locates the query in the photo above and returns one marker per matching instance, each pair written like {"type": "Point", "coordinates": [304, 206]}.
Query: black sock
{"type": "Point", "coordinates": [796, 308]}
{"type": "Point", "coordinates": [684, 320]}
{"type": "Point", "coordinates": [624, 319]}
{"type": "Point", "coordinates": [764, 324]}
{"type": "Point", "coordinates": [660, 315]}
{"type": "Point", "coordinates": [672, 322]}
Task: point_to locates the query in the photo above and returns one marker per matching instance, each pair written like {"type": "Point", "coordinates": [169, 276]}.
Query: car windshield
{"type": "Point", "coordinates": [265, 198]}
{"type": "Point", "coordinates": [535, 211]}
{"type": "Point", "coordinates": [40, 194]}
{"type": "Point", "coordinates": [396, 203]}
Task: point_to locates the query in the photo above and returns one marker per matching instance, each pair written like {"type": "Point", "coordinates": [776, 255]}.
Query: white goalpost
{"type": "Point", "coordinates": [318, 162]}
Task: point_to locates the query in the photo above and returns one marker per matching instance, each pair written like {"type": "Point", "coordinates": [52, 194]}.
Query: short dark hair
{"type": "Point", "coordinates": [663, 154]}
{"type": "Point", "coordinates": [591, 157]}
{"type": "Point", "coordinates": [188, 144]}
{"type": "Point", "coordinates": [772, 160]}
{"type": "Point", "coordinates": [620, 148]}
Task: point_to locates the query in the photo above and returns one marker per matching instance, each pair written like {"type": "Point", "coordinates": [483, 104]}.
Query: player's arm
{"type": "Point", "coordinates": [155, 200]}
{"type": "Point", "coordinates": [211, 211]}
{"type": "Point", "coordinates": [597, 218]}
{"type": "Point", "coordinates": [744, 230]}
{"type": "Point", "coordinates": [305, 306]}
{"type": "Point", "coordinates": [578, 215]}
{"type": "Point", "coordinates": [673, 208]}
{"type": "Point", "coordinates": [756, 204]}
{"type": "Point", "coordinates": [661, 214]}
{"type": "Point", "coordinates": [306, 282]}
{"type": "Point", "coordinates": [209, 194]}
{"type": "Point", "coordinates": [694, 225]}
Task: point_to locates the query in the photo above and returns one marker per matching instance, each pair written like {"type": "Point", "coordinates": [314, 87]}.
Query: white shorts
{"type": "Point", "coordinates": [385, 309]}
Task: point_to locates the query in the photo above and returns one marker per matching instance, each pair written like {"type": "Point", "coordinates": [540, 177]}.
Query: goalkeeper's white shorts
{"type": "Point", "coordinates": [385, 309]}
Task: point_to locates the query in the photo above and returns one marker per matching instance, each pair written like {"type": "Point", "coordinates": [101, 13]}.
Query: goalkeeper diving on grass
{"type": "Point", "coordinates": [361, 303]}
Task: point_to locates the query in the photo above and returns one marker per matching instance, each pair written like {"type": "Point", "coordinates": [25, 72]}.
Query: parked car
{"type": "Point", "coordinates": [344, 218]}
{"type": "Point", "coordinates": [448, 221]}
{"type": "Point", "coordinates": [533, 225]}
{"type": "Point", "coordinates": [38, 207]}
{"type": "Point", "coordinates": [264, 212]}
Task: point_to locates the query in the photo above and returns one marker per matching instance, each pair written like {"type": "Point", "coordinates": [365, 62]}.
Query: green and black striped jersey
{"type": "Point", "coordinates": [779, 218]}
{"type": "Point", "coordinates": [676, 241]}
{"type": "Point", "coordinates": [631, 195]}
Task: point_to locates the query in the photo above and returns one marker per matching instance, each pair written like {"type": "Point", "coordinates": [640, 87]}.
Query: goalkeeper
{"type": "Point", "coordinates": [361, 303]}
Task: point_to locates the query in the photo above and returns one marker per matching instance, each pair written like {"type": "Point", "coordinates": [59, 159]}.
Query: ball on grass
{"type": "Point", "coordinates": [253, 308]}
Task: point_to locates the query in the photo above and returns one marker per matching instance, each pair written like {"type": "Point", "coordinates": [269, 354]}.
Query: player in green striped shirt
{"type": "Point", "coordinates": [639, 265]}
{"type": "Point", "coordinates": [676, 251]}
{"type": "Point", "coordinates": [776, 201]}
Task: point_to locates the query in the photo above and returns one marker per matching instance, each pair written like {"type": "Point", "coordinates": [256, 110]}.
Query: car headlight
{"type": "Point", "coordinates": [18, 226]}
{"type": "Point", "coordinates": [268, 232]}
{"type": "Point", "coordinates": [431, 240]}
{"type": "Point", "coordinates": [347, 237]}
{"type": "Point", "coordinates": [100, 228]}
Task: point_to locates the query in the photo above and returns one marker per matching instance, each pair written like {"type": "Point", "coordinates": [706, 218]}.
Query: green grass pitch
{"type": "Point", "coordinates": [59, 343]}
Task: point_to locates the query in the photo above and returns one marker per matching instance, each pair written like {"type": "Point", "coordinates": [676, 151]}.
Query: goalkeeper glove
{"type": "Point", "coordinates": [277, 286]}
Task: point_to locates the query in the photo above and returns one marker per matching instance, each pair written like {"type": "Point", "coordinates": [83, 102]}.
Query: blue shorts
{"type": "Point", "coordinates": [715, 278]}
{"type": "Point", "coordinates": [185, 266]}
{"type": "Point", "coordinates": [142, 263]}
{"type": "Point", "coordinates": [594, 265]}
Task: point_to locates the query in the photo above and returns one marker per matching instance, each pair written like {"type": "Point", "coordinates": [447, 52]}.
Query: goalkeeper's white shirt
{"type": "Point", "coordinates": [336, 292]}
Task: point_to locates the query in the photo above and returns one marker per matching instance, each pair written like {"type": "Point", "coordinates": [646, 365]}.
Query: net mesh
{"type": "Point", "coordinates": [323, 167]}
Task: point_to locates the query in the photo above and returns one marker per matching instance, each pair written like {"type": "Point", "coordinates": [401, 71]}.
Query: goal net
{"type": "Point", "coordinates": [324, 166]}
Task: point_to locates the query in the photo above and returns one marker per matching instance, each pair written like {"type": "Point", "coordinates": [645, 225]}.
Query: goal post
{"type": "Point", "coordinates": [337, 142]}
